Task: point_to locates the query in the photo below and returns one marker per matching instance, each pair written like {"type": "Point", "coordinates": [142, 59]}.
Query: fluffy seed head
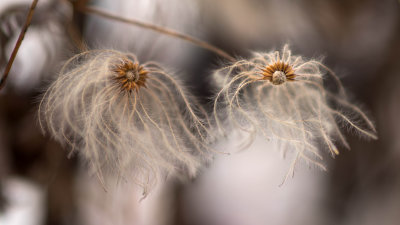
{"type": "Point", "coordinates": [126, 119]}
{"type": "Point", "coordinates": [283, 97]}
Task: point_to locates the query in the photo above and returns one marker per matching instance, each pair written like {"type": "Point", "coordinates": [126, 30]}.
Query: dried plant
{"type": "Point", "coordinates": [126, 118]}
{"type": "Point", "coordinates": [282, 97]}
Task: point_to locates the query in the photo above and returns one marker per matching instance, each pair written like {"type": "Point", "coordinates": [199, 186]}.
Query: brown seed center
{"type": "Point", "coordinates": [278, 73]}
{"type": "Point", "coordinates": [132, 75]}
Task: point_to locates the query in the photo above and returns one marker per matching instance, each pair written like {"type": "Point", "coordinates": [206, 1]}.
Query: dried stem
{"type": "Point", "coordinates": [18, 44]}
{"type": "Point", "coordinates": [160, 29]}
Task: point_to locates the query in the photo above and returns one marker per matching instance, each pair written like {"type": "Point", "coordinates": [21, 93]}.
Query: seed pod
{"type": "Point", "coordinates": [125, 118]}
{"type": "Point", "coordinates": [282, 97]}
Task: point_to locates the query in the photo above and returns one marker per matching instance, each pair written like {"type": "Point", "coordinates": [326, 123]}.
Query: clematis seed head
{"type": "Point", "coordinates": [282, 97]}
{"type": "Point", "coordinates": [126, 119]}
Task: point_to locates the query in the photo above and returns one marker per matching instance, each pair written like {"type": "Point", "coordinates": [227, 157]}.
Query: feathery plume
{"type": "Point", "coordinates": [126, 118]}
{"type": "Point", "coordinates": [282, 97]}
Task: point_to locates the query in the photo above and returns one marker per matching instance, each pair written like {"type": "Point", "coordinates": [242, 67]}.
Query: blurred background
{"type": "Point", "coordinates": [358, 39]}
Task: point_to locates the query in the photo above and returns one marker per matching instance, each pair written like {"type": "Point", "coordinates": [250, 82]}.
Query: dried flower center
{"type": "Point", "coordinates": [278, 77]}
{"type": "Point", "coordinates": [278, 73]}
{"type": "Point", "coordinates": [130, 75]}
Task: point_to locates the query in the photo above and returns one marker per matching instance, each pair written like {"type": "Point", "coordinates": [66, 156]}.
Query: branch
{"type": "Point", "coordinates": [18, 44]}
{"type": "Point", "coordinates": [159, 29]}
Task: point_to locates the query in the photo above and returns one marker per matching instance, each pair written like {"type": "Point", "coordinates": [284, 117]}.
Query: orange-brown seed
{"type": "Point", "coordinates": [278, 72]}
{"type": "Point", "coordinates": [130, 75]}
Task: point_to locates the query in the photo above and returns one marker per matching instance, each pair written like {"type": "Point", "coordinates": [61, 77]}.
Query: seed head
{"type": "Point", "coordinates": [282, 97]}
{"type": "Point", "coordinates": [126, 119]}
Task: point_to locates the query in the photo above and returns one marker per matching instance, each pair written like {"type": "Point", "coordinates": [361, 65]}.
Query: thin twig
{"type": "Point", "coordinates": [163, 30]}
{"type": "Point", "coordinates": [18, 44]}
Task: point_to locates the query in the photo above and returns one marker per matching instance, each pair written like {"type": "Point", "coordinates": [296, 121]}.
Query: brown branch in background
{"type": "Point", "coordinates": [159, 29]}
{"type": "Point", "coordinates": [76, 26]}
{"type": "Point", "coordinates": [18, 44]}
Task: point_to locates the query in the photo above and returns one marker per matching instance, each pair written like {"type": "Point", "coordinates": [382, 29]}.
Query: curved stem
{"type": "Point", "coordinates": [159, 29]}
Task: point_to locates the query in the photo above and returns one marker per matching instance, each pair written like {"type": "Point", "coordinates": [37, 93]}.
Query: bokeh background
{"type": "Point", "coordinates": [358, 39]}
